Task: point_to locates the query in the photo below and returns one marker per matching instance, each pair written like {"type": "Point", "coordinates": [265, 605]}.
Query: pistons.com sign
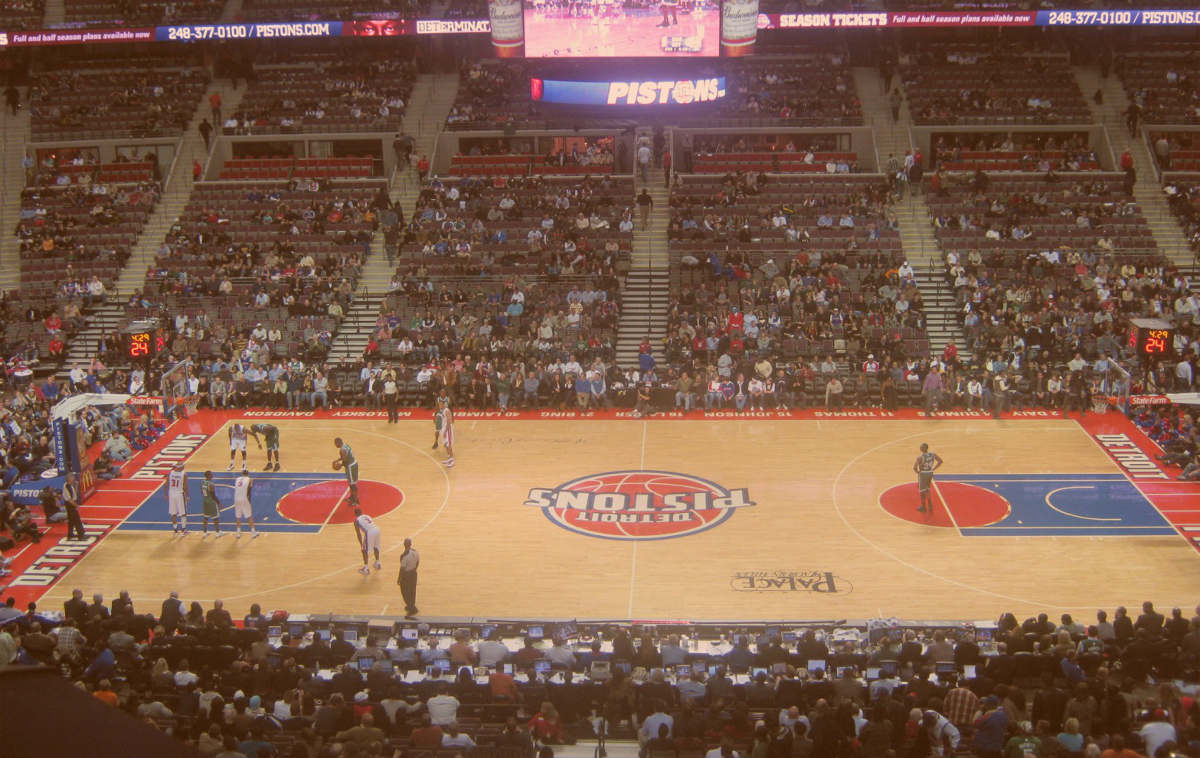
{"type": "Point", "coordinates": [638, 505]}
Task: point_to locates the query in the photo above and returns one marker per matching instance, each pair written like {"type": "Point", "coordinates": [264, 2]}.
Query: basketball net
{"type": "Point", "coordinates": [174, 388]}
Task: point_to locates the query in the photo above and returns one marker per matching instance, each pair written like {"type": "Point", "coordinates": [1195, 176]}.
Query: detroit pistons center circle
{"type": "Point", "coordinates": [638, 505]}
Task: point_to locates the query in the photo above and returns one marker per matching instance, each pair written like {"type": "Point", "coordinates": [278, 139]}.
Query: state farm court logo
{"type": "Point", "coordinates": [638, 505]}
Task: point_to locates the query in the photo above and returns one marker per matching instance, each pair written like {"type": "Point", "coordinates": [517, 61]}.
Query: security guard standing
{"type": "Point", "coordinates": [71, 497]}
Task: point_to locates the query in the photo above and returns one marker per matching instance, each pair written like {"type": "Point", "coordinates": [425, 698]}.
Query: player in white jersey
{"type": "Point", "coordinates": [177, 498]}
{"type": "Point", "coordinates": [443, 429]}
{"type": "Point", "coordinates": [237, 441]}
{"type": "Point", "coordinates": [241, 503]}
{"type": "Point", "coordinates": [368, 538]}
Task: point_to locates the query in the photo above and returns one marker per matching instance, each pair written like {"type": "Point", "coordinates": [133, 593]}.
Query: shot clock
{"type": "Point", "coordinates": [1152, 338]}
{"type": "Point", "coordinates": [143, 341]}
{"type": "Point", "coordinates": [139, 345]}
{"type": "Point", "coordinates": [1155, 341]}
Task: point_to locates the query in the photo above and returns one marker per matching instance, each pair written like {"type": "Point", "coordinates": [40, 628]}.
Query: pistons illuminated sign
{"type": "Point", "coordinates": [626, 93]}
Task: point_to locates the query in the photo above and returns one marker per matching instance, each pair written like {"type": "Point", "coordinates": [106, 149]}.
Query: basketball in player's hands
{"type": "Point", "coordinates": [337, 464]}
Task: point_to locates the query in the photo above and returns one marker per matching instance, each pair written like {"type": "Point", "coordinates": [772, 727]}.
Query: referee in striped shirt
{"type": "Point", "coordinates": [410, 560]}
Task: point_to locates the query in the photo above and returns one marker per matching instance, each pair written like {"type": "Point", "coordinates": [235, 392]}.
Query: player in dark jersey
{"type": "Point", "coordinates": [924, 467]}
{"type": "Point", "coordinates": [211, 505]}
{"type": "Point", "coordinates": [270, 433]}
{"type": "Point", "coordinates": [348, 463]}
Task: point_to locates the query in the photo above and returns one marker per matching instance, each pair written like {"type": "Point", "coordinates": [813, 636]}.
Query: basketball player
{"type": "Point", "coordinates": [271, 433]}
{"type": "Point", "coordinates": [368, 538]}
{"type": "Point", "coordinates": [925, 465]}
{"type": "Point", "coordinates": [237, 441]}
{"type": "Point", "coordinates": [212, 506]}
{"type": "Point", "coordinates": [177, 498]}
{"type": "Point", "coordinates": [241, 504]}
{"type": "Point", "coordinates": [443, 430]}
{"type": "Point", "coordinates": [349, 463]}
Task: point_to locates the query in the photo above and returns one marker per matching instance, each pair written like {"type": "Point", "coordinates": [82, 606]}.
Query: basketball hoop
{"type": "Point", "coordinates": [174, 389]}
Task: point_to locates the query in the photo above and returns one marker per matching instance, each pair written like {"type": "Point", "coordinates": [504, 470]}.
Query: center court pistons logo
{"type": "Point", "coordinates": [638, 505]}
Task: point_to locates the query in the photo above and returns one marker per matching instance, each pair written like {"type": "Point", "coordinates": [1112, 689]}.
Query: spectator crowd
{"type": "Point", "coordinates": [256, 686]}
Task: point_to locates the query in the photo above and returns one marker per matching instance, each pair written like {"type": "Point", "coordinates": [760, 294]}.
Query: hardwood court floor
{"type": "Point", "coordinates": [817, 543]}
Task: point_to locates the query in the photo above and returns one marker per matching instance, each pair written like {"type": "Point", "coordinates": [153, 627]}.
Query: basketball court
{"type": "Point", "coordinates": [787, 515]}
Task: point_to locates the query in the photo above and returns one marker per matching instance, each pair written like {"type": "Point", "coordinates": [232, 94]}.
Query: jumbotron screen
{"type": "Point", "coordinates": [618, 28]}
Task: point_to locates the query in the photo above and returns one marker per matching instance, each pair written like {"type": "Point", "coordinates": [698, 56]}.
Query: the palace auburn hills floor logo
{"type": "Point", "coordinates": [638, 505]}
{"type": "Point", "coordinates": [816, 581]}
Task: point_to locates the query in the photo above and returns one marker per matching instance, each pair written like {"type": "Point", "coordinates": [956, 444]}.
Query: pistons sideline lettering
{"type": "Point", "coordinates": [638, 505]}
{"type": "Point", "coordinates": [47, 568]}
{"type": "Point", "coordinates": [1130, 457]}
{"type": "Point", "coordinates": [181, 448]}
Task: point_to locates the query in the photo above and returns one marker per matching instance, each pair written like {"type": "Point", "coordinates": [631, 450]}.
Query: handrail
{"type": "Point", "coordinates": [166, 182]}
{"type": "Point", "coordinates": [650, 286]}
{"type": "Point", "coordinates": [875, 138]}
{"type": "Point", "coordinates": [437, 130]}
{"type": "Point", "coordinates": [1112, 148]}
{"type": "Point", "coordinates": [1148, 146]}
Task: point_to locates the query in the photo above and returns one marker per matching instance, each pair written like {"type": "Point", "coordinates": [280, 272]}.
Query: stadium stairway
{"type": "Point", "coordinates": [646, 294]}
{"type": "Point", "coordinates": [428, 106]}
{"type": "Point", "coordinates": [893, 137]}
{"type": "Point", "coordinates": [1168, 234]}
{"type": "Point", "coordinates": [101, 320]}
{"type": "Point", "coordinates": [15, 132]}
{"type": "Point", "coordinates": [176, 190]}
{"type": "Point", "coordinates": [941, 312]}
{"type": "Point", "coordinates": [356, 328]}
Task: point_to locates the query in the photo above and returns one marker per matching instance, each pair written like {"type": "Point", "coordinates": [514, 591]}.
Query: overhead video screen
{"type": "Point", "coordinates": [622, 28]}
